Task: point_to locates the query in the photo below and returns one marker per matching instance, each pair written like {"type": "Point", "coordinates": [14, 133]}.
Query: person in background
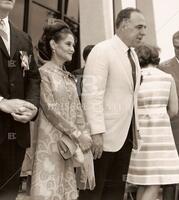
{"type": "Point", "coordinates": [19, 100]}
{"type": "Point", "coordinates": [171, 66]}
{"type": "Point", "coordinates": [60, 116]}
{"type": "Point", "coordinates": [79, 72]}
{"type": "Point", "coordinates": [156, 163]}
{"type": "Point", "coordinates": [110, 84]}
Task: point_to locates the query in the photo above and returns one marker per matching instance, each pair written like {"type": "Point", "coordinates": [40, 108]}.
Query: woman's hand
{"type": "Point", "coordinates": [85, 142]}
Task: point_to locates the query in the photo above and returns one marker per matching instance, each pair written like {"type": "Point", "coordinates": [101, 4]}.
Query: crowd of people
{"type": "Point", "coordinates": [116, 122]}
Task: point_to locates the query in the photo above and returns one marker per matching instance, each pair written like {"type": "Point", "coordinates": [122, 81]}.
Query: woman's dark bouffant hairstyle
{"type": "Point", "coordinates": [54, 31]}
{"type": "Point", "coordinates": [147, 55]}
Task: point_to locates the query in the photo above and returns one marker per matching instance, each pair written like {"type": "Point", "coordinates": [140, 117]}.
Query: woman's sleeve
{"type": "Point", "coordinates": [80, 118]}
{"type": "Point", "coordinates": [173, 100]}
{"type": "Point", "coordinates": [53, 109]}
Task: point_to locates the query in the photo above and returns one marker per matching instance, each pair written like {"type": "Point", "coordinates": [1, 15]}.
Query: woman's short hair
{"type": "Point", "coordinates": [55, 31]}
{"type": "Point", "coordinates": [147, 55]}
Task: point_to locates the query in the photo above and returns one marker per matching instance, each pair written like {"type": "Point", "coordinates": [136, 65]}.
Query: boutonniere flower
{"type": "Point", "coordinates": [25, 61]}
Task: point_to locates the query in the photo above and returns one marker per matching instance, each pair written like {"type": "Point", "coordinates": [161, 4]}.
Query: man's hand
{"type": "Point", "coordinates": [15, 105]}
{"type": "Point", "coordinates": [22, 111]}
{"type": "Point", "coordinates": [25, 115]}
{"type": "Point", "coordinates": [97, 146]}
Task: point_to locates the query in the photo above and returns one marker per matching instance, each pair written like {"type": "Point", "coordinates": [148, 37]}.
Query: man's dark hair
{"type": "Point", "coordinates": [125, 14]}
{"type": "Point", "coordinates": [175, 37]}
{"type": "Point", "coordinates": [86, 51]}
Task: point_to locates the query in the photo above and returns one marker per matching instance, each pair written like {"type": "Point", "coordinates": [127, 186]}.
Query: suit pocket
{"type": "Point", "coordinates": [112, 125]}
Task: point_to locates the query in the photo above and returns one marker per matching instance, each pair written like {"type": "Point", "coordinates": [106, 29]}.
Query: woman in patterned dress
{"type": "Point", "coordinates": [60, 113]}
{"type": "Point", "coordinates": [156, 162]}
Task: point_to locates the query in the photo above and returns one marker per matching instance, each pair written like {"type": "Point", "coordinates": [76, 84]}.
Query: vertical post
{"type": "Point", "coordinates": [26, 16]}
{"type": "Point", "coordinates": [63, 9]}
{"type": "Point", "coordinates": [95, 13]}
{"type": "Point", "coordinates": [117, 6]}
{"type": "Point", "coordinates": [147, 9]}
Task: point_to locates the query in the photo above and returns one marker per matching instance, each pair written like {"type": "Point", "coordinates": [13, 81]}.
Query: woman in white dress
{"type": "Point", "coordinates": [60, 115]}
{"type": "Point", "coordinates": [156, 162]}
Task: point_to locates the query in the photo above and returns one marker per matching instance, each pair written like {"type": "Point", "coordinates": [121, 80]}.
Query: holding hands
{"type": "Point", "coordinates": [85, 142]}
{"type": "Point", "coordinates": [95, 142]}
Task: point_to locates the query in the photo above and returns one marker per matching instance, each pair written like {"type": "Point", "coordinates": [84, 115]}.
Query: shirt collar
{"type": "Point", "coordinates": [123, 46]}
{"type": "Point", "coordinates": [6, 21]}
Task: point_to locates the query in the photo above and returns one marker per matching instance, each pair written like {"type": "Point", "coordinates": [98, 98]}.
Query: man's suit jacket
{"type": "Point", "coordinates": [15, 85]}
{"type": "Point", "coordinates": [108, 92]}
{"type": "Point", "coordinates": [172, 67]}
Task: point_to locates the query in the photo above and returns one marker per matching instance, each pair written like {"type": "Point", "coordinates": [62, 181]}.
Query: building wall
{"type": "Point", "coordinates": [128, 3]}
{"type": "Point", "coordinates": [18, 19]}
{"type": "Point", "coordinates": [96, 21]}
{"type": "Point", "coordinates": [167, 23]}
{"type": "Point", "coordinates": [146, 6]}
{"type": "Point", "coordinates": [73, 9]}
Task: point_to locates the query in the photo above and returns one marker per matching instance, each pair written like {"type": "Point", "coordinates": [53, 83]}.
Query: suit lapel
{"type": "Point", "coordinates": [123, 62]}
{"type": "Point", "coordinates": [175, 65]}
{"type": "Point", "coordinates": [13, 41]}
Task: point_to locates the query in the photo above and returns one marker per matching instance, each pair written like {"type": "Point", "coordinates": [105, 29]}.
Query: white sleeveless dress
{"type": "Point", "coordinates": [157, 161]}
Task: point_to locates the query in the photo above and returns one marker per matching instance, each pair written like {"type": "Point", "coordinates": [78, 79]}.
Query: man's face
{"type": "Point", "coordinates": [176, 47]}
{"type": "Point", "coordinates": [6, 5]}
{"type": "Point", "coordinates": [135, 29]}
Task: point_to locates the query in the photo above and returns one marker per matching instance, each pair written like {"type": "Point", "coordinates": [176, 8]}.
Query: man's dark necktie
{"type": "Point", "coordinates": [132, 65]}
{"type": "Point", "coordinates": [134, 131]}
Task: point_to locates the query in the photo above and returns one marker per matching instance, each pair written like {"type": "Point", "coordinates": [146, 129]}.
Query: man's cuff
{"type": "Point", "coordinates": [1, 98]}
{"type": "Point", "coordinates": [76, 134]}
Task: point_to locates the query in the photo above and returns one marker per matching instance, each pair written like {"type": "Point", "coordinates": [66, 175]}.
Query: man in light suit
{"type": "Point", "coordinates": [19, 100]}
{"type": "Point", "coordinates": [171, 66]}
{"type": "Point", "coordinates": [109, 94]}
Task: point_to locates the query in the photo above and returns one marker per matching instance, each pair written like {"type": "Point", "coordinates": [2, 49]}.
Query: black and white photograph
{"type": "Point", "coordinates": [89, 100]}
